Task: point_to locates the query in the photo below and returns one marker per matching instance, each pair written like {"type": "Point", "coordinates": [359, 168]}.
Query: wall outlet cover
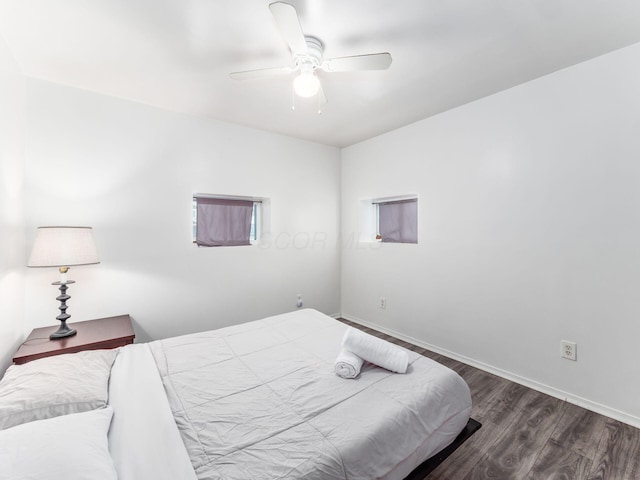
{"type": "Point", "coordinates": [568, 350]}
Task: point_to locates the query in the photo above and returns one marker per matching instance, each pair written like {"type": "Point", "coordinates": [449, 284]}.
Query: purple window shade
{"type": "Point", "coordinates": [398, 221]}
{"type": "Point", "coordinates": [223, 222]}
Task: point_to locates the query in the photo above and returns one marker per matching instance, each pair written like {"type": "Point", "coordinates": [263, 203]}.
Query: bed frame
{"type": "Point", "coordinates": [429, 465]}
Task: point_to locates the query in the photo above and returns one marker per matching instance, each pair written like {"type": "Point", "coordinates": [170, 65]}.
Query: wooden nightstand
{"type": "Point", "coordinates": [110, 332]}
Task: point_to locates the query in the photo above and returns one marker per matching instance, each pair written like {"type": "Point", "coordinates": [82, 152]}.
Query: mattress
{"type": "Point", "coordinates": [261, 400]}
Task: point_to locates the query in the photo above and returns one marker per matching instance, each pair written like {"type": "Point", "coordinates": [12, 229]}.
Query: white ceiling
{"type": "Point", "coordinates": [177, 54]}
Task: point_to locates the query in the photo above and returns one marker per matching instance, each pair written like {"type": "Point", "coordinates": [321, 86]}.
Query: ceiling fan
{"type": "Point", "coordinates": [307, 54]}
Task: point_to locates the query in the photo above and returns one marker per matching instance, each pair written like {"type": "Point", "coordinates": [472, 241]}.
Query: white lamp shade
{"type": "Point", "coordinates": [63, 247]}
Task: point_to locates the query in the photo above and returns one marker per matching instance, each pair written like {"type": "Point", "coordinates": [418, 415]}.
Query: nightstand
{"type": "Point", "coordinates": [109, 332]}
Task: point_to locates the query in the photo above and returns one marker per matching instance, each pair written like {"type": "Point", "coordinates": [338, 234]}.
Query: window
{"type": "Point", "coordinates": [397, 220]}
{"type": "Point", "coordinates": [220, 220]}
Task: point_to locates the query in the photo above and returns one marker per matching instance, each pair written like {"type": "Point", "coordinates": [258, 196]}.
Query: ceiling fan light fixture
{"type": "Point", "coordinates": [307, 53]}
{"type": "Point", "coordinates": [306, 84]}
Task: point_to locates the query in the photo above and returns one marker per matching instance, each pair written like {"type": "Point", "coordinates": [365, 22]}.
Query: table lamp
{"type": "Point", "coordinates": [63, 247]}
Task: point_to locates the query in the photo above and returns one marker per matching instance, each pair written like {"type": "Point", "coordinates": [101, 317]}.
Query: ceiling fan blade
{"type": "Point", "coordinates": [260, 73]}
{"type": "Point", "coordinates": [373, 61]}
{"type": "Point", "coordinates": [287, 19]}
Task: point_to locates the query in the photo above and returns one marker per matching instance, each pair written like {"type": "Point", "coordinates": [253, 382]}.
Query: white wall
{"type": "Point", "coordinates": [129, 171]}
{"type": "Point", "coordinates": [12, 251]}
{"type": "Point", "coordinates": [529, 232]}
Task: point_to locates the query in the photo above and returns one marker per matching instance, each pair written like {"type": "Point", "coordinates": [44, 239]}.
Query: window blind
{"type": "Point", "coordinates": [398, 221]}
{"type": "Point", "coordinates": [223, 222]}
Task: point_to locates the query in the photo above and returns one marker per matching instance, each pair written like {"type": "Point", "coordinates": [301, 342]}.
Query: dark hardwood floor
{"type": "Point", "coordinates": [527, 435]}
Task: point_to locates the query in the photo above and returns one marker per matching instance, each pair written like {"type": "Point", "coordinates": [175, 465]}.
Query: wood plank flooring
{"type": "Point", "coordinates": [527, 435]}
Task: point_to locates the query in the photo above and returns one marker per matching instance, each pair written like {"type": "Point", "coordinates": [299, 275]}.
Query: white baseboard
{"type": "Point", "coordinates": [621, 416]}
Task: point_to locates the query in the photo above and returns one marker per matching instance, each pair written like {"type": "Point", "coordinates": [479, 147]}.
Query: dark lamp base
{"type": "Point", "coordinates": [63, 332]}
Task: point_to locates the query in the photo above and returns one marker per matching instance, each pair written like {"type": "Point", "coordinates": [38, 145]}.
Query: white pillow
{"type": "Point", "coordinates": [69, 447]}
{"type": "Point", "coordinates": [53, 386]}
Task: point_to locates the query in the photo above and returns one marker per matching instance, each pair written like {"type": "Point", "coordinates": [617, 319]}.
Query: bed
{"type": "Point", "coordinates": [258, 400]}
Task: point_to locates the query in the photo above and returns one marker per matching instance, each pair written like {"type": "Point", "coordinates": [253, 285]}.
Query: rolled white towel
{"type": "Point", "coordinates": [375, 350]}
{"type": "Point", "coordinates": [348, 364]}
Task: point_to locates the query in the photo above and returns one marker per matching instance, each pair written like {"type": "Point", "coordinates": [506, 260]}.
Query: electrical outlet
{"type": "Point", "coordinates": [299, 300]}
{"type": "Point", "coordinates": [568, 350]}
{"type": "Point", "coordinates": [383, 303]}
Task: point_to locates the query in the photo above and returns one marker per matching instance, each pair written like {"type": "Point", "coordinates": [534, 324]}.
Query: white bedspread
{"type": "Point", "coordinates": [261, 401]}
{"type": "Point", "coordinates": [143, 439]}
